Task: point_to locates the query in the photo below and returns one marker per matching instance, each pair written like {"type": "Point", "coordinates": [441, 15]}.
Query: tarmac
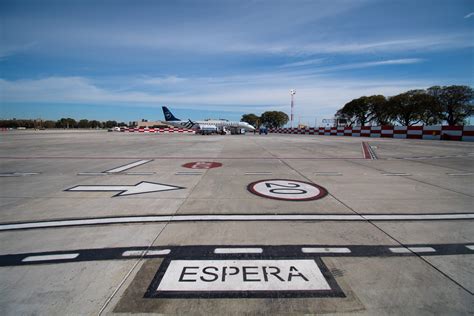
{"type": "Point", "coordinates": [110, 223]}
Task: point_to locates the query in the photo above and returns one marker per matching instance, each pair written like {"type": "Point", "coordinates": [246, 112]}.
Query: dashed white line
{"type": "Point", "coordinates": [139, 173]}
{"type": "Point", "coordinates": [411, 249]}
{"type": "Point", "coordinates": [129, 166]}
{"type": "Point", "coordinates": [18, 174]}
{"type": "Point", "coordinates": [461, 174]}
{"type": "Point", "coordinates": [51, 257]}
{"type": "Point", "coordinates": [188, 173]}
{"type": "Point", "coordinates": [326, 250]}
{"type": "Point", "coordinates": [92, 174]}
{"type": "Point", "coordinates": [396, 174]}
{"type": "Point", "coordinates": [328, 174]}
{"type": "Point", "coordinates": [237, 250]}
{"type": "Point", "coordinates": [138, 253]}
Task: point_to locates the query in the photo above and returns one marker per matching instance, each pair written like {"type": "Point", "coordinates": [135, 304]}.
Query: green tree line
{"type": "Point", "coordinates": [61, 123]}
{"type": "Point", "coordinates": [435, 105]}
{"type": "Point", "coordinates": [270, 119]}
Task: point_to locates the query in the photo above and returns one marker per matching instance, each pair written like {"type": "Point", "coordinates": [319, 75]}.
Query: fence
{"type": "Point", "coordinates": [459, 133]}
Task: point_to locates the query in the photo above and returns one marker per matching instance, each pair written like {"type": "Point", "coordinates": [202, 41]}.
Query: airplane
{"type": "Point", "coordinates": [208, 126]}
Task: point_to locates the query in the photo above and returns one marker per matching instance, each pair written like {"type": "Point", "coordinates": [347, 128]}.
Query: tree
{"type": "Point", "coordinates": [412, 107]}
{"type": "Point", "coordinates": [66, 123]}
{"type": "Point", "coordinates": [355, 111]}
{"type": "Point", "coordinates": [379, 110]}
{"type": "Point", "coordinates": [251, 118]}
{"type": "Point", "coordinates": [110, 124]}
{"type": "Point", "coordinates": [455, 101]}
{"type": "Point", "coordinates": [95, 124]}
{"type": "Point", "coordinates": [274, 119]}
{"type": "Point", "coordinates": [83, 124]}
{"type": "Point", "coordinates": [49, 124]}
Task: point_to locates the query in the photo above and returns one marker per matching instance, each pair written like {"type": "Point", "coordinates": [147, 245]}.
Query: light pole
{"type": "Point", "coordinates": [292, 93]}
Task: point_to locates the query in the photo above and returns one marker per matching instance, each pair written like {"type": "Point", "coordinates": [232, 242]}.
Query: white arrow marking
{"type": "Point", "coordinates": [139, 188]}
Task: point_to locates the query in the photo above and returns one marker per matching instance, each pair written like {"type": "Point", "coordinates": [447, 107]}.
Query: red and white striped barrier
{"type": "Point", "coordinates": [459, 133]}
{"type": "Point", "coordinates": [166, 130]}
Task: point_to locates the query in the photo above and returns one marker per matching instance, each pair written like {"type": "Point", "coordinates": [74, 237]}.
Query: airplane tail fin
{"type": "Point", "coordinates": [168, 115]}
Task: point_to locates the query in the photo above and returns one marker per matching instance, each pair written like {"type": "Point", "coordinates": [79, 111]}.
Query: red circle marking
{"type": "Point", "coordinates": [202, 165]}
{"type": "Point", "coordinates": [322, 191]}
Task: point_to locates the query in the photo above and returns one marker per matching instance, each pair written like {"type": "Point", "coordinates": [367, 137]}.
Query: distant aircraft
{"type": "Point", "coordinates": [220, 126]}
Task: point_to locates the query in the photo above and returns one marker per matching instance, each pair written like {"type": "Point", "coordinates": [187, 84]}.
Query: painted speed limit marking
{"type": "Point", "coordinates": [288, 190]}
{"type": "Point", "coordinates": [202, 165]}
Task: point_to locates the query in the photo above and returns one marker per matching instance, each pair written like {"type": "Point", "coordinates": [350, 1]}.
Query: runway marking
{"type": "Point", "coordinates": [139, 173]}
{"type": "Point", "coordinates": [328, 174]}
{"type": "Point", "coordinates": [258, 173]}
{"type": "Point", "coordinates": [18, 174]}
{"type": "Point", "coordinates": [65, 256]}
{"type": "Point", "coordinates": [139, 253]}
{"type": "Point", "coordinates": [92, 174]}
{"type": "Point", "coordinates": [395, 174]}
{"type": "Point", "coordinates": [368, 152]}
{"type": "Point", "coordinates": [225, 218]}
{"type": "Point", "coordinates": [287, 190]}
{"type": "Point", "coordinates": [412, 249]}
{"type": "Point", "coordinates": [461, 174]}
{"type": "Point", "coordinates": [255, 278]}
{"type": "Point", "coordinates": [202, 165]}
{"type": "Point", "coordinates": [128, 166]}
{"type": "Point", "coordinates": [126, 190]}
{"type": "Point", "coordinates": [237, 250]}
{"type": "Point", "coordinates": [188, 173]}
{"type": "Point", "coordinates": [326, 250]}
{"type": "Point", "coordinates": [207, 252]}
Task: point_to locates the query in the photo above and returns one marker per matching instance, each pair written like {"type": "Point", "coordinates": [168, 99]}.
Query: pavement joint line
{"type": "Point", "coordinates": [378, 227]}
{"type": "Point", "coordinates": [232, 217]}
{"type": "Point", "coordinates": [65, 256]}
{"type": "Point", "coordinates": [326, 250]}
{"type": "Point", "coordinates": [237, 250]}
{"type": "Point", "coordinates": [447, 276]}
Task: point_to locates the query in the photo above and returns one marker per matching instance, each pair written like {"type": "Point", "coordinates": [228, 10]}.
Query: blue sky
{"type": "Point", "coordinates": [123, 60]}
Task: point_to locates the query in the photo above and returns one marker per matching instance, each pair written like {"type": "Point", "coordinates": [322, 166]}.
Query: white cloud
{"type": "Point", "coordinates": [303, 63]}
{"type": "Point", "coordinates": [469, 15]}
{"type": "Point", "coordinates": [315, 95]}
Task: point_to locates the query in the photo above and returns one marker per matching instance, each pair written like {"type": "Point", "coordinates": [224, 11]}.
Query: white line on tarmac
{"type": "Point", "coordinates": [92, 174]}
{"type": "Point", "coordinates": [188, 173]}
{"type": "Point", "coordinates": [51, 257]}
{"type": "Point", "coordinates": [137, 253]}
{"type": "Point", "coordinates": [182, 218]}
{"type": "Point", "coordinates": [328, 174]}
{"type": "Point", "coordinates": [411, 249]}
{"type": "Point", "coordinates": [461, 174]}
{"type": "Point", "coordinates": [237, 250]}
{"type": "Point", "coordinates": [18, 174]}
{"type": "Point", "coordinates": [326, 250]}
{"type": "Point", "coordinates": [139, 173]}
{"type": "Point", "coordinates": [257, 173]}
{"type": "Point", "coordinates": [129, 166]}
{"type": "Point", "coordinates": [396, 174]}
